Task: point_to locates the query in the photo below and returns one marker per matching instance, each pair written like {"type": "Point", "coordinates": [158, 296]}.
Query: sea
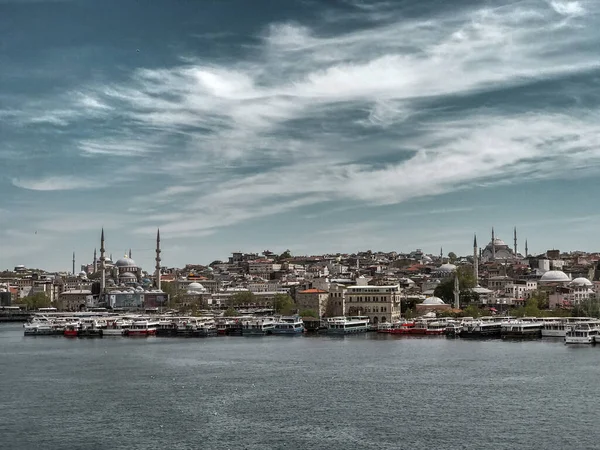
{"type": "Point", "coordinates": [365, 391]}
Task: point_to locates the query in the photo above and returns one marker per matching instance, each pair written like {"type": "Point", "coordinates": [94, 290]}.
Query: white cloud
{"type": "Point", "coordinates": [55, 183]}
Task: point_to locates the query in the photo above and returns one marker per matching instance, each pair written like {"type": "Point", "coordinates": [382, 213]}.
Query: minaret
{"type": "Point", "coordinates": [515, 242]}
{"type": "Point", "coordinates": [456, 292]}
{"type": "Point", "coordinates": [102, 264]}
{"type": "Point", "coordinates": [157, 275]}
{"type": "Point", "coordinates": [442, 253]}
{"type": "Point", "coordinates": [129, 253]}
{"type": "Point", "coordinates": [73, 264]}
{"type": "Point", "coordinates": [493, 245]}
{"type": "Point", "coordinates": [475, 261]}
{"type": "Point", "coordinates": [526, 249]}
{"type": "Point", "coordinates": [95, 262]}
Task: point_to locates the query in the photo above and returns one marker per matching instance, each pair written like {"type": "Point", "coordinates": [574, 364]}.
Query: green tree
{"type": "Point", "coordinates": [466, 283]}
{"type": "Point", "coordinates": [230, 312]}
{"type": "Point", "coordinates": [532, 308]}
{"type": "Point", "coordinates": [471, 311]}
{"type": "Point", "coordinates": [540, 298]}
{"type": "Point", "coordinates": [37, 300]}
{"type": "Point", "coordinates": [283, 304]}
{"type": "Point", "coordinates": [409, 314]}
{"type": "Point", "coordinates": [452, 257]}
{"type": "Point", "coordinates": [586, 308]}
{"type": "Point", "coordinates": [285, 255]}
{"type": "Point", "coordinates": [242, 298]}
{"type": "Point", "coordinates": [175, 292]}
{"type": "Point", "coordinates": [309, 313]}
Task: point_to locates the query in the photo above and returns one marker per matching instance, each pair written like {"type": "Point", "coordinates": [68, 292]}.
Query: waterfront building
{"type": "Point", "coordinates": [315, 299]}
{"type": "Point", "coordinates": [380, 303]}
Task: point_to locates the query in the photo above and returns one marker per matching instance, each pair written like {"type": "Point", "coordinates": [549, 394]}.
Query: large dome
{"type": "Point", "coordinates": [581, 282]}
{"type": "Point", "coordinates": [128, 275]}
{"type": "Point", "coordinates": [555, 276]}
{"type": "Point", "coordinates": [433, 301]}
{"type": "Point", "coordinates": [125, 262]}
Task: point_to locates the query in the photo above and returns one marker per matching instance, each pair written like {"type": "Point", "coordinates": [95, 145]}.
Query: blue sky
{"type": "Point", "coordinates": [313, 126]}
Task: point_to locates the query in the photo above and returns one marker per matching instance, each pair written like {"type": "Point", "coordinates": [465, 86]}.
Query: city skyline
{"type": "Point", "coordinates": [319, 129]}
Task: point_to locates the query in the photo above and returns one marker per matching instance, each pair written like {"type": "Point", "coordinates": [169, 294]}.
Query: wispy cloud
{"type": "Point", "coordinates": [399, 108]}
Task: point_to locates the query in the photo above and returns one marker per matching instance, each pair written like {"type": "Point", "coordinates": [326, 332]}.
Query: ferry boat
{"type": "Point", "coordinates": [481, 328]}
{"type": "Point", "coordinates": [117, 327]}
{"type": "Point", "coordinates": [43, 327]}
{"type": "Point", "coordinates": [583, 333]}
{"type": "Point", "coordinates": [258, 327]}
{"type": "Point", "coordinates": [229, 326]}
{"type": "Point", "coordinates": [429, 327]}
{"type": "Point", "coordinates": [288, 325]}
{"type": "Point", "coordinates": [348, 325]}
{"type": "Point", "coordinates": [559, 326]}
{"type": "Point", "coordinates": [453, 330]}
{"type": "Point", "coordinates": [141, 328]}
{"type": "Point", "coordinates": [71, 329]}
{"type": "Point", "coordinates": [522, 328]}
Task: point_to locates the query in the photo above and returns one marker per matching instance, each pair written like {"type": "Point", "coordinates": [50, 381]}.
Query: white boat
{"type": "Point", "coordinates": [117, 327]}
{"type": "Point", "coordinates": [142, 328]}
{"type": "Point", "coordinates": [527, 327]}
{"type": "Point", "coordinates": [348, 325]}
{"type": "Point", "coordinates": [583, 333]}
{"type": "Point", "coordinates": [558, 326]}
{"type": "Point", "coordinates": [258, 327]}
{"type": "Point", "coordinates": [289, 325]}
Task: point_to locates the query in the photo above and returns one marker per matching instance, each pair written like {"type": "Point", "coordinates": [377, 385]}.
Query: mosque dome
{"type": "Point", "coordinates": [555, 276]}
{"type": "Point", "coordinates": [433, 301]}
{"type": "Point", "coordinates": [128, 275]}
{"type": "Point", "coordinates": [83, 274]}
{"type": "Point", "coordinates": [447, 267]}
{"type": "Point", "coordinates": [499, 243]}
{"type": "Point", "coordinates": [196, 287]}
{"type": "Point", "coordinates": [581, 281]}
{"type": "Point", "coordinates": [125, 262]}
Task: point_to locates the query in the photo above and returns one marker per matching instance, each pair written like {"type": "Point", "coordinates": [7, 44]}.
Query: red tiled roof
{"type": "Point", "coordinates": [313, 291]}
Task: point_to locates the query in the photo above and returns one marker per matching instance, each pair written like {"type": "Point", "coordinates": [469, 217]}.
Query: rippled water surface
{"type": "Point", "coordinates": [362, 392]}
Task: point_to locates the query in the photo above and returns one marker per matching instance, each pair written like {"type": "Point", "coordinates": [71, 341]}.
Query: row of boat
{"type": "Point", "coordinates": [573, 330]}
{"type": "Point", "coordinates": [42, 325]}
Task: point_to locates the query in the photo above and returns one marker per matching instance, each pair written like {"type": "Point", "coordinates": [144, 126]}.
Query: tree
{"type": "Point", "coordinates": [466, 283]}
{"type": "Point", "coordinates": [452, 257]}
{"type": "Point", "coordinates": [471, 311]}
{"type": "Point", "coordinates": [283, 304]}
{"type": "Point", "coordinates": [285, 255]}
{"type": "Point", "coordinates": [230, 312]}
{"type": "Point", "coordinates": [242, 298]}
{"type": "Point", "coordinates": [176, 294]}
{"type": "Point", "coordinates": [540, 298]}
{"type": "Point", "coordinates": [309, 313]}
{"type": "Point", "coordinates": [37, 300]}
{"type": "Point", "coordinates": [409, 314]}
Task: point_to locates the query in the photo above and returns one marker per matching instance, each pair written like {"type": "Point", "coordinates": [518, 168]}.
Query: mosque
{"type": "Point", "coordinates": [498, 250]}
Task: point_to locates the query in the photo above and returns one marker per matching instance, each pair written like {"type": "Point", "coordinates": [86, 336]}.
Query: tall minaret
{"type": "Point", "coordinates": [526, 249]}
{"type": "Point", "coordinates": [95, 262]}
{"type": "Point", "coordinates": [456, 292]}
{"type": "Point", "coordinates": [493, 245]}
{"type": "Point", "coordinates": [102, 264]}
{"type": "Point", "coordinates": [157, 267]}
{"type": "Point", "coordinates": [475, 261]}
{"type": "Point", "coordinates": [515, 242]}
{"type": "Point", "coordinates": [442, 254]}
{"type": "Point", "coordinates": [129, 253]}
{"type": "Point", "coordinates": [73, 264]}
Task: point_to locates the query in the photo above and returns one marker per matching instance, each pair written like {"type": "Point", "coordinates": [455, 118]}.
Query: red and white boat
{"type": "Point", "coordinates": [428, 327]}
{"type": "Point", "coordinates": [71, 330]}
{"type": "Point", "coordinates": [141, 328]}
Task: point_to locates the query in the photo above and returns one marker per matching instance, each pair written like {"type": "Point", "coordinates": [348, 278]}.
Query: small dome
{"type": "Point", "coordinates": [83, 274]}
{"type": "Point", "coordinates": [498, 242]}
{"type": "Point", "coordinates": [581, 281]}
{"type": "Point", "coordinates": [447, 268]}
{"type": "Point", "coordinates": [555, 276]}
{"type": "Point", "coordinates": [433, 301]}
{"type": "Point", "coordinates": [125, 262]}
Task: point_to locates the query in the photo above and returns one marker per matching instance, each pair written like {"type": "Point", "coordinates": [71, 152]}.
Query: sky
{"type": "Point", "coordinates": [314, 126]}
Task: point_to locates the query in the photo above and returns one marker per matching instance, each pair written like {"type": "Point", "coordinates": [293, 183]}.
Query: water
{"type": "Point", "coordinates": [358, 392]}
